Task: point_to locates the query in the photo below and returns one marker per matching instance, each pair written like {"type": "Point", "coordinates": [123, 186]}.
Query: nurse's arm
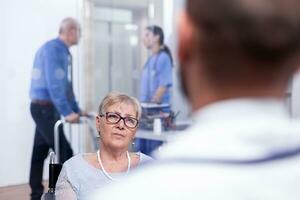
{"type": "Point", "coordinates": [159, 93]}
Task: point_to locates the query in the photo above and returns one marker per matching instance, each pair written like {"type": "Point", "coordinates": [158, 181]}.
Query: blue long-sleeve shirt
{"type": "Point", "coordinates": [50, 80]}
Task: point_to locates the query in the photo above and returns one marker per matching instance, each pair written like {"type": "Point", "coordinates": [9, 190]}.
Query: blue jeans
{"type": "Point", "coordinates": [44, 116]}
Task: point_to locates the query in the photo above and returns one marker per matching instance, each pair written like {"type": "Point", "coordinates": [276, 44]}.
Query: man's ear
{"type": "Point", "coordinates": [185, 37]}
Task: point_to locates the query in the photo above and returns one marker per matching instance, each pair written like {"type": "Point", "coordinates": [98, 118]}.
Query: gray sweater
{"type": "Point", "coordinates": [79, 179]}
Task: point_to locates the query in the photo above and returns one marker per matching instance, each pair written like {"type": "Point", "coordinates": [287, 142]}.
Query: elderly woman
{"type": "Point", "coordinates": [117, 124]}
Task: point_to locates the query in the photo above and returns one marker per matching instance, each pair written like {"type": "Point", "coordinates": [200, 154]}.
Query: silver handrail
{"type": "Point", "coordinates": [82, 120]}
{"type": "Point", "coordinates": [56, 139]}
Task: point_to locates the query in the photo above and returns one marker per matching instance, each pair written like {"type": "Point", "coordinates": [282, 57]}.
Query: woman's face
{"type": "Point", "coordinates": [150, 39]}
{"type": "Point", "coordinates": [118, 135]}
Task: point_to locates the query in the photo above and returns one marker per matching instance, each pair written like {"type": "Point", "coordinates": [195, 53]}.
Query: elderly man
{"type": "Point", "coordinates": [236, 59]}
{"type": "Point", "coordinates": [52, 95]}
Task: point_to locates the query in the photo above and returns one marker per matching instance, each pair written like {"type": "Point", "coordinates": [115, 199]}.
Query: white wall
{"type": "Point", "coordinates": [25, 25]}
{"type": "Point", "coordinates": [171, 10]}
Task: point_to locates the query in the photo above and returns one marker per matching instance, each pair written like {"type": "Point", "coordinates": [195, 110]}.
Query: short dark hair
{"type": "Point", "coordinates": [264, 33]}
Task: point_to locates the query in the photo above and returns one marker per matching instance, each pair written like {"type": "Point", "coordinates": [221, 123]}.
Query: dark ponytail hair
{"type": "Point", "coordinates": [156, 30]}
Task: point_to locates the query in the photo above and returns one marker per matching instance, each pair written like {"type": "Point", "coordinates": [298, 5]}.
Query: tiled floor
{"type": "Point", "coordinates": [17, 192]}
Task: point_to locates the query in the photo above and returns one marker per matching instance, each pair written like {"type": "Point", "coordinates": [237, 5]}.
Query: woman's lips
{"type": "Point", "coordinates": [119, 135]}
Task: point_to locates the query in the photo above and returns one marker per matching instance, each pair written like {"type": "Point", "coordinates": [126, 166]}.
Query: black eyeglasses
{"type": "Point", "coordinates": [114, 118]}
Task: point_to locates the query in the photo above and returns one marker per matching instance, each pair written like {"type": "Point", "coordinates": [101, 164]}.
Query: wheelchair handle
{"type": "Point", "coordinates": [82, 120]}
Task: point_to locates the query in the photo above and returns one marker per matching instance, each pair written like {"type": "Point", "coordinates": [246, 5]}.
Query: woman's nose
{"type": "Point", "coordinates": [121, 123]}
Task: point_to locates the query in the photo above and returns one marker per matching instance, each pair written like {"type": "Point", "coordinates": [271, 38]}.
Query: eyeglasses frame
{"type": "Point", "coordinates": [121, 118]}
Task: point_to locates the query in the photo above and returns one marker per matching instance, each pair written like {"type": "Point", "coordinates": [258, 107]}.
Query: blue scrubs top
{"type": "Point", "coordinates": [157, 72]}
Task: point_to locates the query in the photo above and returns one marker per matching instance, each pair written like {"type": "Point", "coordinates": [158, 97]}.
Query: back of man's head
{"type": "Point", "coordinates": [68, 24]}
{"type": "Point", "coordinates": [69, 31]}
{"type": "Point", "coordinates": [242, 40]}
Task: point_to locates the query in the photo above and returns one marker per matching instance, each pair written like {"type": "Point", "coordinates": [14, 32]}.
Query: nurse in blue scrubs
{"type": "Point", "coordinates": [156, 81]}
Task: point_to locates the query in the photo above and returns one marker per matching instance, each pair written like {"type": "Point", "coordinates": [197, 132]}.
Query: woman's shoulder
{"type": "Point", "coordinates": [76, 162]}
{"type": "Point", "coordinates": [164, 55]}
{"type": "Point", "coordinates": [77, 168]}
{"type": "Point", "coordinates": [75, 159]}
{"type": "Point", "coordinates": [79, 173]}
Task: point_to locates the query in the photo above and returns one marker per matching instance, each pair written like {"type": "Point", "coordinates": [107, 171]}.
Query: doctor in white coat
{"type": "Point", "coordinates": [236, 59]}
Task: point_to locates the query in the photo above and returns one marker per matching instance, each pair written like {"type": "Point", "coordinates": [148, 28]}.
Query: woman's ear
{"type": "Point", "coordinates": [98, 123]}
{"type": "Point", "coordinates": [156, 38]}
{"type": "Point", "coordinates": [133, 135]}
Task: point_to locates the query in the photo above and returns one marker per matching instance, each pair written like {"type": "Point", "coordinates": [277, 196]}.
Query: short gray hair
{"type": "Point", "coordinates": [118, 97]}
{"type": "Point", "coordinates": [67, 24]}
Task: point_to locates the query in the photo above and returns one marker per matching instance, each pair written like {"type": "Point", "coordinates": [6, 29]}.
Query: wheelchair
{"type": "Point", "coordinates": [54, 170]}
{"type": "Point", "coordinates": [55, 166]}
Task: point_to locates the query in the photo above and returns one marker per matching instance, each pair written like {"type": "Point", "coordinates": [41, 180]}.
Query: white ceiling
{"type": "Point", "coordinates": [129, 4]}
